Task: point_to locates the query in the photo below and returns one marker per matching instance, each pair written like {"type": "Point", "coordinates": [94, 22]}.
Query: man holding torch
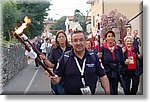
{"type": "Point", "coordinates": [80, 69]}
{"type": "Point", "coordinates": [70, 72]}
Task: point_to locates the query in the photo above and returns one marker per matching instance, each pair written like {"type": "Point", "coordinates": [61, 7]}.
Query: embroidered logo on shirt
{"type": "Point", "coordinates": [90, 65]}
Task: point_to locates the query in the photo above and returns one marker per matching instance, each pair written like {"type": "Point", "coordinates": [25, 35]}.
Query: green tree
{"type": "Point", "coordinates": [13, 15]}
{"type": "Point", "coordinates": [58, 25]}
{"type": "Point", "coordinates": [10, 15]}
{"type": "Point", "coordinates": [82, 19]}
{"type": "Point", "coordinates": [37, 12]}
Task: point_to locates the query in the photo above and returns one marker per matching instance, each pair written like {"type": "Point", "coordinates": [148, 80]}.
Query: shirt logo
{"type": "Point", "coordinates": [90, 65]}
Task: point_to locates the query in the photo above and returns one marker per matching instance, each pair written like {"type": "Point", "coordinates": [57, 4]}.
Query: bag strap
{"type": "Point", "coordinates": [92, 55]}
{"type": "Point", "coordinates": [66, 57]}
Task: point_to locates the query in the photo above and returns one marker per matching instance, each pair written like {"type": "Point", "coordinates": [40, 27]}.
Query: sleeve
{"type": "Point", "coordinates": [51, 56]}
{"type": "Point", "coordinates": [60, 68]}
{"type": "Point", "coordinates": [42, 46]}
{"type": "Point", "coordinates": [100, 70]}
{"type": "Point", "coordinates": [102, 50]}
{"type": "Point", "coordinates": [122, 59]}
{"type": "Point", "coordinates": [139, 41]}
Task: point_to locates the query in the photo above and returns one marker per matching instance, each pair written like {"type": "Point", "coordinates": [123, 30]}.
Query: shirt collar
{"type": "Point", "coordinates": [67, 48]}
{"type": "Point", "coordinates": [106, 46]}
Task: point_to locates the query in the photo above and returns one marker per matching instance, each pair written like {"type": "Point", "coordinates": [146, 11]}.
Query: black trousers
{"type": "Point", "coordinates": [36, 62]}
{"type": "Point", "coordinates": [131, 79]}
{"type": "Point", "coordinates": [113, 82]}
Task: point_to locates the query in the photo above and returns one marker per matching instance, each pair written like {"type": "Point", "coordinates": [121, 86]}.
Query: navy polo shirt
{"type": "Point", "coordinates": [71, 75]}
{"type": "Point", "coordinates": [56, 53]}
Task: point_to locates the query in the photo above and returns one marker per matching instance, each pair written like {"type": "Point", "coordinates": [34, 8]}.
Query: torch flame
{"type": "Point", "coordinates": [27, 20]}
{"type": "Point", "coordinates": [23, 26]}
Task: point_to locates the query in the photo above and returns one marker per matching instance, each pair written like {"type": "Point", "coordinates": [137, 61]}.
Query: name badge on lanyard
{"type": "Point", "coordinates": [86, 89]}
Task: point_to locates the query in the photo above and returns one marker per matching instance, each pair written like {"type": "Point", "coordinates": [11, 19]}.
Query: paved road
{"type": "Point", "coordinates": [32, 81]}
{"type": "Point", "coordinates": [29, 81]}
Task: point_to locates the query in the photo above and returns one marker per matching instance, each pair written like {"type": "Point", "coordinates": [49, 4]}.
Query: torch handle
{"type": "Point", "coordinates": [99, 43]}
{"type": "Point", "coordinates": [39, 53]}
{"type": "Point", "coordinates": [45, 67]}
{"type": "Point", "coordinates": [28, 49]}
{"type": "Point", "coordinates": [99, 32]}
{"type": "Point", "coordinates": [23, 42]}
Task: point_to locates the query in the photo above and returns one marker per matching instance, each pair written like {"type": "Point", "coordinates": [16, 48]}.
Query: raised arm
{"type": "Point", "coordinates": [46, 61]}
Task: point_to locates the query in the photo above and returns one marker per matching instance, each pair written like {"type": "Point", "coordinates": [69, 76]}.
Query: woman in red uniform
{"type": "Point", "coordinates": [112, 58]}
{"type": "Point", "coordinates": [131, 67]}
{"type": "Point", "coordinates": [89, 46]}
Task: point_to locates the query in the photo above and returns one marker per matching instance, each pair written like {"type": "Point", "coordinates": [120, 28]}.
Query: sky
{"type": "Point", "coordinates": [67, 7]}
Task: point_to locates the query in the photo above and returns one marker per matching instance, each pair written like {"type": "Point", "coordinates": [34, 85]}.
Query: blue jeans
{"type": "Point", "coordinates": [57, 89]}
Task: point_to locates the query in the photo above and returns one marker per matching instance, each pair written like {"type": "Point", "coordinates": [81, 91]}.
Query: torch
{"type": "Point", "coordinates": [99, 41]}
{"type": "Point", "coordinates": [121, 30]}
{"type": "Point", "coordinates": [22, 38]}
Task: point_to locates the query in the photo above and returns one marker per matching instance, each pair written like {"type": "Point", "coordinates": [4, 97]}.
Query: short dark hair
{"type": "Point", "coordinates": [109, 32]}
{"type": "Point", "coordinates": [120, 41]}
{"type": "Point", "coordinates": [77, 31]}
{"type": "Point", "coordinates": [136, 30]}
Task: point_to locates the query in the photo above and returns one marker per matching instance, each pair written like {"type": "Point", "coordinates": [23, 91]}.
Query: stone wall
{"type": "Point", "coordinates": [14, 60]}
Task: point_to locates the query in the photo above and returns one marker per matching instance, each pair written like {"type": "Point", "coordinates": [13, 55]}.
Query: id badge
{"type": "Point", "coordinates": [86, 90]}
{"type": "Point", "coordinates": [131, 60]}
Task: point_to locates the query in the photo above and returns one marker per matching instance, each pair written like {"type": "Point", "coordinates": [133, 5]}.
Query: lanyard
{"type": "Point", "coordinates": [130, 53]}
{"type": "Point", "coordinates": [81, 69]}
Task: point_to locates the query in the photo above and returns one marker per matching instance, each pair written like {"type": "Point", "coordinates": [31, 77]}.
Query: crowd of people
{"type": "Point", "coordinates": [79, 65]}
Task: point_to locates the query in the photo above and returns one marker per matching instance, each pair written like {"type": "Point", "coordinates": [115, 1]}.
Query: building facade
{"type": "Point", "coordinates": [131, 9]}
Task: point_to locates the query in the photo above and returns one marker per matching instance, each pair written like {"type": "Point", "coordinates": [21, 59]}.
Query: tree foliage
{"type": "Point", "coordinates": [37, 12]}
{"type": "Point", "coordinates": [10, 15]}
{"type": "Point", "coordinates": [58, 25]}
{"type": "Point", "coordinates": [82, 19]}
{"type": "Point", "coordinates": [14, 13]}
